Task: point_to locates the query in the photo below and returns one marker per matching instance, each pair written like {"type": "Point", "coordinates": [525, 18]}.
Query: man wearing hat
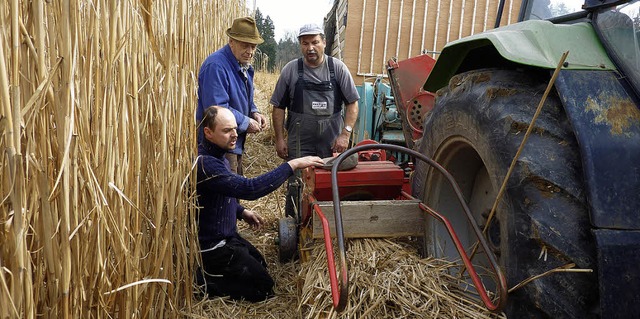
{"type": "Point", "coordinates": [321, 103]}
{"type": "Point", "coordinates": [226, 79]}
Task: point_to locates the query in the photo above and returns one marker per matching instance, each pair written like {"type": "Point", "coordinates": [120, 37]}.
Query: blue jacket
{"type": "Point", "coordinates": [221, 82]}
{"type": "Point", "coordinates": [219, 189]}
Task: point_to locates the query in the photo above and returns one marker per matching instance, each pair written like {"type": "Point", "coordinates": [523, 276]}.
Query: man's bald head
{"type": "Point", "coordinates": [220, 127]}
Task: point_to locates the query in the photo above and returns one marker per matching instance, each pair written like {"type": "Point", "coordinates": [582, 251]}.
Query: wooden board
{"type": "Point", "coordinates": [368, 33]}
{"type": "Point", "coordinates": [373, 219]}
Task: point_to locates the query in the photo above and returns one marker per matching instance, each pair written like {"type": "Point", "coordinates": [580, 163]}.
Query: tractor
{"type": "Point", "coordinates": [525, 141]}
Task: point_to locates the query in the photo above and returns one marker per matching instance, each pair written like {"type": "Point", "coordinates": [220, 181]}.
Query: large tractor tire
{"type": "Point", "coordinates": [542, 222]}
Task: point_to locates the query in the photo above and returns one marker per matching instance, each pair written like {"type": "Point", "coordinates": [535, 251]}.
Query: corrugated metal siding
{"type": "Point", "coordinates": [377, 30]}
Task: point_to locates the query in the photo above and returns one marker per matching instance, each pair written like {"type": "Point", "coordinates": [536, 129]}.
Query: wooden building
{"type": "Point", "coordinates": [365, 34]}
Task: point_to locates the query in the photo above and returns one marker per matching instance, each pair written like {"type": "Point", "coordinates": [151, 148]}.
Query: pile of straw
{"type": "Point", "coordinates": [389, 280]}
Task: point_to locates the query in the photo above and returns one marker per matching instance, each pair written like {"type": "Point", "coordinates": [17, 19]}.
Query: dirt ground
{"type": "Point", "coordinates": [388, 279]}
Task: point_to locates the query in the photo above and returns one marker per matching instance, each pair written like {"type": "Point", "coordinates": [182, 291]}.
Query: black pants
{"type": "Point", "coordinates": [236, 269]}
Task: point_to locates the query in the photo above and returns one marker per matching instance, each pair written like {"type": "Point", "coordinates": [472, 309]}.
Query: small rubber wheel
{"type": "Point", "coordinates": [288, 239]}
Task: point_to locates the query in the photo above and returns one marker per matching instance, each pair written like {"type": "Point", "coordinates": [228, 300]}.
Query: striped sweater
{"type": "Point", "coordinates": [219, 189]}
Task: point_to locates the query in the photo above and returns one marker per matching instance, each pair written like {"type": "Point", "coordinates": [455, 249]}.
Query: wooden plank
{"type": "Point", "coordinates": [377, 30]}
{"type": "Point", "coordinates": [373, 219]}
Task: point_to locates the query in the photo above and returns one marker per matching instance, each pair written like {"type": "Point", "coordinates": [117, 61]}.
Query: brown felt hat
{"type": "Point", "coordinates": [245, 30]}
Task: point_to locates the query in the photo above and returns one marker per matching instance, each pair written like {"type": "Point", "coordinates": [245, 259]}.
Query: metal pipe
{"type": "Point", "coordinates": [384, 62]}
{"type": "Point", "coordinates": [449, 21]}
{"type": "Point", "coordinates": [339, 291]}
{"type": "Point", "coordinates": [499, 13]}
{"type": "Point", "coordinates": [424, 25]}
{"type": "Point", "coordinates": [338, 31]}
{"type": "Point", "coordinates": [435, 33]}
{"type": "Point", "coordinates": [464, 3]}
{"type": "Point", "coordinates": [486, 16]}
{"type": "Point", "coordinates": [386, 35]}
{"type": "Point", "coordinates": [413, 19]}
{"type": "Point", "coordinates": [373, 38]}
{"type": "Point", "coordinates": [364, 7]}
{"type": "Point", "coordinates": [475, 278]}
{"type": "Point", "coordinates": [473, 20]}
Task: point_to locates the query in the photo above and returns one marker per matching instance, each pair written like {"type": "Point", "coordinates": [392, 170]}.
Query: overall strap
{"type": "Point", "coordinates": [339, 97]}
{"type": "Point", "coordinates": [299, 87]}
{"type": "Point", "coordinates": [300, 69]}
{"type": "Point", "coordinates": [332, 70]}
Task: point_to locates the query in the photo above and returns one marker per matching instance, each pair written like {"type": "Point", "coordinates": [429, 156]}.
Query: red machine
{"type": "Point", "coordinates": [371, 200]}
{"type": "Point", "coordinates": [368, 180]}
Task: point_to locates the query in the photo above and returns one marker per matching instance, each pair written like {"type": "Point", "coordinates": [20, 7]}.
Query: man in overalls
{"type": "Point", "coordinates": [313, 89]}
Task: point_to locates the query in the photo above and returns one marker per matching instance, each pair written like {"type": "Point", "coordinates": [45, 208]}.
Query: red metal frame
{"type": "Point", "coordinates": [339, 290]}
{"type": "Point", "coordinates": [339, 296]}
{"type": "Point", "coordinates": [477, 282]}
{"type": "Point", "coordinates": [339, 293]}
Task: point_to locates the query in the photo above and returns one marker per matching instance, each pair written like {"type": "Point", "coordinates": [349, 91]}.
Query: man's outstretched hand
{"type": "Point", "coordinates": [252, 218]}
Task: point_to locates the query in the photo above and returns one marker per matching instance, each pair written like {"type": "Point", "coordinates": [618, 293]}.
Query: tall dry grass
{"type": "Point", "coordinates": [97, 103]}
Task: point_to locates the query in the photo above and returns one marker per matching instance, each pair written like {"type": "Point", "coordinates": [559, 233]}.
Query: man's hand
{"type": "Point", "coordinates": [262, 121]}
{"type": "Point", "coordinates": [304, 162]}
{"type": "Point", "coordinates": [252, 218]}
{"type": "Point", "coordinates": [254, 126]}
{"type": "Point", "coordinates": [341, 143]}
{"type": "Point", "coordinates": [281, 149]}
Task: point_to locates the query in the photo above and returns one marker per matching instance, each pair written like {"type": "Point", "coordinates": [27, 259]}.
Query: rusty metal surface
{"type": "Point", "coordinates": [606, 122]}
{"type": "Point", "coordinates": [407, 78]}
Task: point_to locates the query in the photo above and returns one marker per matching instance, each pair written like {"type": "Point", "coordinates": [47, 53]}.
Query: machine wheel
{"type": "Point", "coordinates": [542, 223]}
{"type": "Point", "coordinates": [287, 239]}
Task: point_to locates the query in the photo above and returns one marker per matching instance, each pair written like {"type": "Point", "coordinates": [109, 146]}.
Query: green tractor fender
{"type": "Point", "coordinates": [534, 43]}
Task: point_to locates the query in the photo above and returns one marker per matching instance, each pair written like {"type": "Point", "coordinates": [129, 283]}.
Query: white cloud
{"type": "Point", "coordinates": [290, 15]}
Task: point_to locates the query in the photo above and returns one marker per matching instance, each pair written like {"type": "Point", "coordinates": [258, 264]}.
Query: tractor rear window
{"type": "Point", "coordinates": [547, 9]}
{"type": "Point", "coordinates": [620, 31]}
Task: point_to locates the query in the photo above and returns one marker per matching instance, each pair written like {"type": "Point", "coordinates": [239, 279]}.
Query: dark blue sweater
{"type": "Point", "coordinates": [218, 190]}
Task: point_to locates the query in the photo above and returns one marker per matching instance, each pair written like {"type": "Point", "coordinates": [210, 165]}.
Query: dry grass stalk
{"type": "Point", "coordinates": [563, 268]}
{"type": "Point", "coordinates": [98, 136]}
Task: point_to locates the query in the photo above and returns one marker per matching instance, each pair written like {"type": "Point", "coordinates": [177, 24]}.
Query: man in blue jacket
{"type": "Point", "coordinates": [231, 265]}
{"type": "Point", "coordinates": [226, 79]}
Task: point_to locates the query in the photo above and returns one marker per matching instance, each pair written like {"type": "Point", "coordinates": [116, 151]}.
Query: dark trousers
{"type": "Point", "coordinates": [236, 269]}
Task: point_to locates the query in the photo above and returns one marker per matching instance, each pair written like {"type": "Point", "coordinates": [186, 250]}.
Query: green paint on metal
{"type": "Point", "coordinates": [534, 43]}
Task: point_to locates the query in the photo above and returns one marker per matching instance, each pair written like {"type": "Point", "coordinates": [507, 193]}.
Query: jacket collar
{"type": "Point", "coordinates": [208, 148]}
{"type": "Point", "coordinates": [233, 61]}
